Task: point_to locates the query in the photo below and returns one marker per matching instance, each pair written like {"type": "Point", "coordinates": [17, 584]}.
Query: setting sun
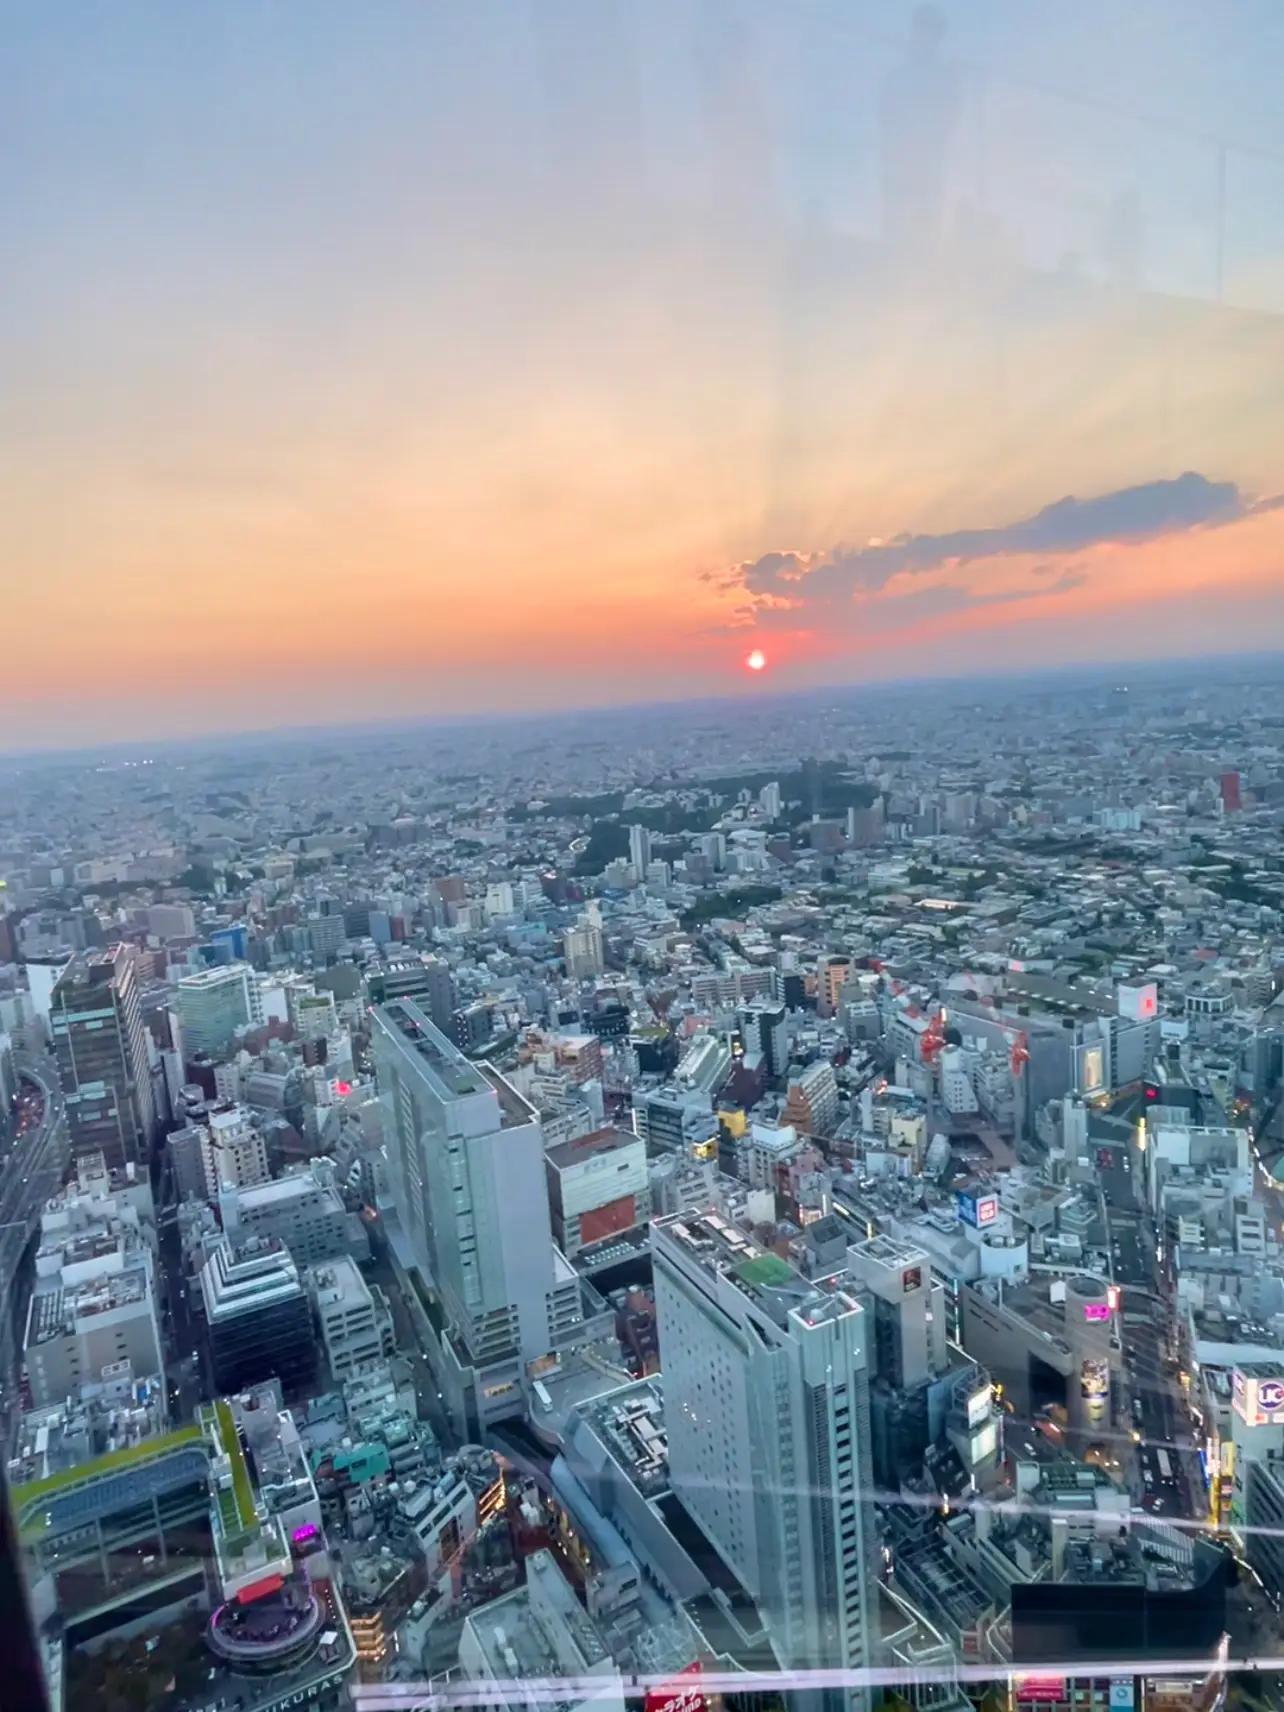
{"type": "Point", "coordinates": [756, 661]}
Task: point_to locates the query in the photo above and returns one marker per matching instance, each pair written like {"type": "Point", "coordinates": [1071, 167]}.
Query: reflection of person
{"type": "Point", "coordinates": [920, 108]}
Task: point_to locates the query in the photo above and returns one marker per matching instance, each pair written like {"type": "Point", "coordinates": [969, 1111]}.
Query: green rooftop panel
{"type": "Point", "coordinates": [765, 1271]}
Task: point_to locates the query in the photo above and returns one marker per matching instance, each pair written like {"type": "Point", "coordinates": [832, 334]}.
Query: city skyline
{"type": "Point", "coordinates": [641, 888]}
{"type": "Point", "coordinates": [384, 394]}
{"type": "Point", "coordinates": [823, 1148]}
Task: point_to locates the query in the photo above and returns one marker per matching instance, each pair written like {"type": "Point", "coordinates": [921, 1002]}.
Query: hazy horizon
{"type": "Point", "coordinates": [1015, 681]}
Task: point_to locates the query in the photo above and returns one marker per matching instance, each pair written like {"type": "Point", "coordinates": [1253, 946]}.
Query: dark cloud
{"type": "Point", "coordinates": [1070, 525]}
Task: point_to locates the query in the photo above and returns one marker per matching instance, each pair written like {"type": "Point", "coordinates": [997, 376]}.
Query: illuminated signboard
{"type": "Point", "coordinates": [977, 1209]}
{"type": "Point", "coordinates": [985, 1442]}
{"type": "Point", "coordinates": [1039, 1690]}
{"type": "Point", "coordinates": [1258, 1402]}
{"type": "Point", "coordinates": [978, 1405]}
{"type": "Point", "coordinates": [1094, 1378]}
{"type": "Point", "coordinates": [1096, 1310]}
{"type": "Point", "coordinates": [912, 1279]}
{"type": "Point", "coordinates": [682, 1694]}
{"type": "Point", "coordinates": [1112, 1296]}
{"type": "Point", "coordinates": [260, 1589]}
{"type": "Point", "coordinates": [1093, 1078]}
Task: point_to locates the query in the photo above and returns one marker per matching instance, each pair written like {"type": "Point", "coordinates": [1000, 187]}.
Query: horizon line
{"type": "Point", "coordinates": [1147, 667]}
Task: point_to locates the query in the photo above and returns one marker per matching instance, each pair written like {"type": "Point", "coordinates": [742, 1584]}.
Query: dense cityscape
{"type": "Point", "coordinates": [774, 1201]}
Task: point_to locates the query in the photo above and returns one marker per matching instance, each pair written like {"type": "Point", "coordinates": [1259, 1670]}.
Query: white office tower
{"type": "Point", "coordinates": [466, 1168]}
{"type": "Point", "coordinates": [766, 1405]}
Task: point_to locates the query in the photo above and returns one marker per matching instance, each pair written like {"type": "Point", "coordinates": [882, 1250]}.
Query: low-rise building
{"type": "Point", "coordinates": [536, 1633]}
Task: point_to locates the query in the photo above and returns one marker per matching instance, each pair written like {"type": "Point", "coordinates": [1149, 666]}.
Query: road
{"type": "Point", "coordinates": [381, 1271]}
{"type": "Point", "coordinates": [1166, 1477]}
{"type": "Point", "coordinates": [33, 1172]}
{"type": "Point", "coordinates": [184, 1326]}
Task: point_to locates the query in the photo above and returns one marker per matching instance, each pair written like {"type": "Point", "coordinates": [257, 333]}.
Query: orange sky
{"type": "Point", "coordinates": [528, 489]}
{"type": "Point", "coordinates": [372, 361]}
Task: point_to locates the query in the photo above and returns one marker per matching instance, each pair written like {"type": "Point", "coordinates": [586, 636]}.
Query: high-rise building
{"type": "Point", "coordinates": [923, 1391]}
{"type": "Point", "coordinates": [1230, 793]}
{"type": "Point", "coordinates": [466, 1169]}
{"type": "Point", "coordinates": [811, 1098]}
{"type": "Point", "coordinates": [92, 1319]}
{"type": "Point", "coordinates": [674, 1118]}
{"type": "Point", "coordinates": [314, 1015]}
{"type": "Point", "coordinates": [866, 826]}
{"type": "Point", "coordinates": [257, 1317]}
{"type": "Point", "coordinates": [304, 1210]}
{"type": "Point", "coordinates": [426, 980]}
{"type": "Point", "coordinates": [96, 1024]}
{"type": "Point", "coordinates": [639, 850]}
{"type": "Point", "coordinates": [909, 1340]}
{"type": "Point", "coordinates": [221, 1149]}
{"type": "Point", "coordinates": [212, 1005]}
{"type": "Point", "coordinates": [235, 1152]}
{"type": "Point", "coordinates": [766, 1401]}
{"type": "Point", "coordinates": [832, 976]}
{"type": "Point", "coordinates": [763, 1029]}
{"type": "Point", "coordinates": [582, 948]}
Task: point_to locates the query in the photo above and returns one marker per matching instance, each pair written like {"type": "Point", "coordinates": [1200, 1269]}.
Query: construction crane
{"type": "Point", "coordinates": [932, 1041]}
{"type": "Point", "coordinates": [1019, 1056]}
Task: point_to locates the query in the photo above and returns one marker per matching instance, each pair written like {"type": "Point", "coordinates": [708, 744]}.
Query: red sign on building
{"type": "Point", "coordinates": [682, 1694]}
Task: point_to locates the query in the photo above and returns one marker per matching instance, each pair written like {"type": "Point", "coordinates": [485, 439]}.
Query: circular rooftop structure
{"type": "Point", "coordinates": [273, 1633]}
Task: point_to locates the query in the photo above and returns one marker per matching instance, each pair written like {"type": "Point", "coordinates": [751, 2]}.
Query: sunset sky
{"type": "Point", "coordinates": [422, 356]}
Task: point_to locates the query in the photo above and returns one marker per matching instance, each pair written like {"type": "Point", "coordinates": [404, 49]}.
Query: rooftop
{"type": "Point", "coordinates": [220, 975]}
{"type": "Point", "coordinates": [723, 1250]}
{"type": "Point", "coordinates": [236, 1502]}
{"type": "Point", "coordinates": [280, 1190]}
{"type": "Point", "coordinates": [56, 1312]}
{"type": "Point", "coordinates": [891, 1252]}
{"type": "Point", "coordinates": [630, 1422]}
{"type": "Point", "coordinates": [582, 1147]}
{"type": "Point", "coordinates": [47, 1503]}
{"type": "Point", "coordinates": [514, 1109]}
{"type": "Point", "coordinates": [175, 1670]}
{"type": "Point", "coordinates": [540, 1630]}
{"type": "Point", "coordinates": [455, 1075]}
{"type": "Point", "coordinates": [340, 1281]}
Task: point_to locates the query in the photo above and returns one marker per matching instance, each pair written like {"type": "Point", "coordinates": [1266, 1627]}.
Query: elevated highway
{"type": "Point", "coordinates": [30, 1172]}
